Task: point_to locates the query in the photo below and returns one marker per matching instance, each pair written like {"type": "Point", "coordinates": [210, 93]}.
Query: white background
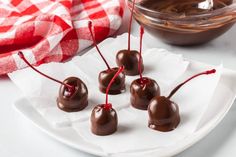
{"type": "Point", "coordinates": [19, 138]}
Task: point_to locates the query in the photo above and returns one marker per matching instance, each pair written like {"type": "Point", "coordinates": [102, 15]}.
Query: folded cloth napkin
{"type": "Point", "coordinates": [52, 31]}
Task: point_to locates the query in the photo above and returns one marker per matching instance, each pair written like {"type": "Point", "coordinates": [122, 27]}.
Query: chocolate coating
{"type": "Point", "coordinates": [185, 34]}
{"type": "Point", "coordinates": [130, 60]}
{"type": "Point", "coordinates": [79, 98]}
{"type": "Point", "coordinates": [163, 114]}
{"type": "Point", "coordinates": [103, 121]}
{"type": "Point", "coordinates": [142, 93]}
{"type": "Point", "coordinates": [105, 77]}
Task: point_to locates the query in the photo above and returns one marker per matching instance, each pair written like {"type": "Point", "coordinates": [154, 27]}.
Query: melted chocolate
{"type": "Point", "coordinates": [185, 7]}
{"type": "Point", "coordinates": [103, 121]}
{"type": "Point", "coordinates": [142, 93]}
{"type": "Point", "coordinates": [76, 101]}
{"type": "Point", "coordinates": [187, 34]}
{"type": "Point", "coordinates": [105, 77]}
{"type": "Point", "coordinates": [129, 59]}
{"type": "Point", "coordinates": [163, 114]}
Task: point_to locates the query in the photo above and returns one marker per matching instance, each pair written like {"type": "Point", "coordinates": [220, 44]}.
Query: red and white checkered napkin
{"type": "Point", "coordinates": [52, 30]}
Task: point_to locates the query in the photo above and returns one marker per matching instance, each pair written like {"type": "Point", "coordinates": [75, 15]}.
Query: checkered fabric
{"type": "Point", "coordinates": [52, 30]}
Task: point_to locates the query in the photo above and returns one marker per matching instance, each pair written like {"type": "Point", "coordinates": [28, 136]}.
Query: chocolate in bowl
{"type": "Point", "coordinates": [185, 22]}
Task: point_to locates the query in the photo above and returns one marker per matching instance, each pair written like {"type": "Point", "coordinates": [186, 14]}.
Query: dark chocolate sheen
{"type": "Point", "coordinates": [79, 98]}
{"type": "Point", "coordinates": [163, 114]}
{"type": "Point", "coordinates": [104, 78]}
{"type": "Point", "coordinates": [103, 121]}
{"type": "Point", "coordinates": [142, 93]}
{"type": "Point", "coordinates": [130, 60]}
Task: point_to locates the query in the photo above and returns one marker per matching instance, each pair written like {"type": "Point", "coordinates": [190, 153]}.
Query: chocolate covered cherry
{"type": "Point", "coordinates": [76, 101]}
{"type": "Point", "coordinates": [73, 93]}
{"type": "Point", "coordinates": [164, 113]}
{"type": "Point", "coordinates": [129, 58]}
{"type": "Point", "coordinates": [104, 119]}
{"type": "Point", "coordinates": [143, 89]}
{"type": "Point", "coordinates": [142, 92]}
{"type": "Point", "coordinates": [105, 76]}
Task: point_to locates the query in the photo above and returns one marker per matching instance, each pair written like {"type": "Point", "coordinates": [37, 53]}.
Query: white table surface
{"type": "Point", "coordinates": [19, 138]}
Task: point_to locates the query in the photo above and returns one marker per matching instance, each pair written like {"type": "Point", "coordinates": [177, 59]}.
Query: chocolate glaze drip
{"type": "Point", "coordinates": [129, 59]}
{"type": "Point", "coordinates": [105, 77]}
{"type": "Point", "coordinates": [103, 121]}
{"type": "Point", "coordinates": [79, 98]}
{"type": "Point", "coordinates": [163, 114]}
{"type": "Point", "coordinates": [143, 92]}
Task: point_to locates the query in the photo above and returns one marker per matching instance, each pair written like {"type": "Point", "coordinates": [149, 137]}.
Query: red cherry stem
{"type": "Point", "coordinates": [130, 24]}
{"type": "Point", "coordinates": [69, 87]}
{"type": "Point", "coordinates": [208, 72]}
{"type": "Point", "coordinates": [110, 83]}
{"type": "Point", "coordinates": [140, 54]}
{"type": "Point", "coordinates": [95, 44]}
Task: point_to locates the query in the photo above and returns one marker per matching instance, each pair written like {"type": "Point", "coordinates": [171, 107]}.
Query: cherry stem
{"type": "Point", "coordinates": [95, 44]}
{"type": "Point", "coordinates": [180, 85]}
{"type": "Point", "coordinates": [110, 83]}
{"type": "Point", "coordinates": [69, 87]}
{"type": "Point", "coordinates": [130, 24]}
{"type": "Point", "coordinates": [140, 54]}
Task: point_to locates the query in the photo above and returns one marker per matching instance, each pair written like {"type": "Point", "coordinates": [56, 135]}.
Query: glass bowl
{"type": "Point", "coordinates": [188, 29]}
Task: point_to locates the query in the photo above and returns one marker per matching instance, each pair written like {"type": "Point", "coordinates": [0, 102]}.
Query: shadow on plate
{"type": "Point", "coordinates": [216, 139]}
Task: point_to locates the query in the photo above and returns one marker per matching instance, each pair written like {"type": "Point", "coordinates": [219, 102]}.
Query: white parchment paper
{"type": "Point", "coordinates": [43, 92]}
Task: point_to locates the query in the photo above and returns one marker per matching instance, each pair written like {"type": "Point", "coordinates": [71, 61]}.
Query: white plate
{"type": "Point", "coordinates": [220, 104]}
